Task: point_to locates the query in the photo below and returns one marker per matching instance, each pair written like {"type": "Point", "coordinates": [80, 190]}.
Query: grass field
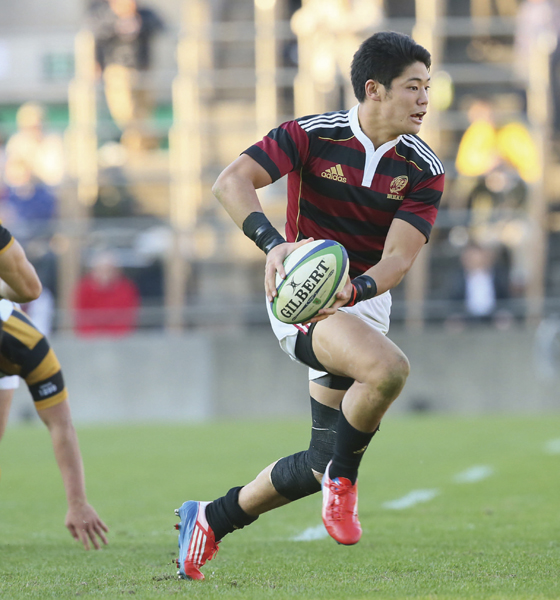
{"type": "Point", "coordinates": [451, 508]}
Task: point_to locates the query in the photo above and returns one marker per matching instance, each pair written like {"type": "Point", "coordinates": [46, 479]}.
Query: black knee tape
{"type": "Point", "coordinates": [293, 478]}
{"type": "Point", "coordinates": [323, 435]}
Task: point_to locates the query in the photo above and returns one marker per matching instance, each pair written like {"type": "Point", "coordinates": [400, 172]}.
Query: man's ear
{"type": "Point", "coordinates": [373, 90]}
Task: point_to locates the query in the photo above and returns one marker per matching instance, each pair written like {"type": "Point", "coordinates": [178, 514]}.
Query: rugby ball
{"type": "Point", "coordinates": [315, 273]}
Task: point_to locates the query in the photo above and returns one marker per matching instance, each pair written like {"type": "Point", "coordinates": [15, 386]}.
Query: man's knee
{"type": "Point", "coordinates": [389, 374]}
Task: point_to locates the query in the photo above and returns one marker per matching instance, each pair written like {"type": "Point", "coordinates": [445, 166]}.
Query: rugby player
{"type": "Point", "coordinates": [25, 353]}
{"type": "Point", "coordinates": [364, 178]}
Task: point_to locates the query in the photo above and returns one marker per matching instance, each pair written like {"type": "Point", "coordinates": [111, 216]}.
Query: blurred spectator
{"type": "Point", "coordinates": [153, 245]}
{"type": "Point", "coordinates": [489, 8]}
{"type": "Point", "coordinates": [534, 20]}
{"type": "Point", "coordinates": [496, 164]}
{"type": "Point", "coordinates": [290, 47]}
{"type": "Point", "coordinates": [30, 205]}
{"type": "Point", "coordinates": [123, 34]}
{"type": "Point", "coordinates": [41, 152]}
{"type": "Point", "coordinates": [114, 197]}
{"type": "Point", "coordinates": [327, 33]}
{"type": "Point", "coordinates": [41, 311]}
{"type": "Point", "coordinates": [34, 166]}
{"type": "Point", "coordinates": [106, 301]}
{"type": "Point", "coordinates": [537, 26]}
{"type": "Point", "coordinates": [480, 285]}
{"type": "Point", "coordinates": [486, 147]}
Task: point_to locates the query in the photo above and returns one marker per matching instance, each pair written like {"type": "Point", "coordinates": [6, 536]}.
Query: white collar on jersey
{"type": "Point", "coordinates": [373, 156]}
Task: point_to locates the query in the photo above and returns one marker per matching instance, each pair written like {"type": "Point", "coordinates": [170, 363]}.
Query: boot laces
{"type": "Point", "coordinates": [339, 500]}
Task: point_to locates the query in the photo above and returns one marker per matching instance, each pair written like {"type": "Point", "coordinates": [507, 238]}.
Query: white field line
{"type": "Point", "coordinates": [474, 474]}
{"type": "Point", "coordinates": [311, 533]}
{"type": "Point", "coordinates": [552, 446]}
{"type": "Point", "coordinates": [411, 499]}
{"type": "Point", "coordinates": [471, 475]}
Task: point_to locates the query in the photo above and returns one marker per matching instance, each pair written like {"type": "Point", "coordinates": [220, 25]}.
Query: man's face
{"type": "Point", "coordinates": [123, 8]}
{"type": "Point", "coordinates": [404, 104]}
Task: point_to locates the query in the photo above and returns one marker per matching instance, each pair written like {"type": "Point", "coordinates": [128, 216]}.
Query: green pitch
{"type": "Point", "coordinates": [451, 508]}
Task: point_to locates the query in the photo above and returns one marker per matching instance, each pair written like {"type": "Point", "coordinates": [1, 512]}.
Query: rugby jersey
{"type": "Point", "coordinates": [26, 352]}
{"type": "Point", "coordinates": [6, 239]}
{"type": "Point", "coordinates": [342, 188]}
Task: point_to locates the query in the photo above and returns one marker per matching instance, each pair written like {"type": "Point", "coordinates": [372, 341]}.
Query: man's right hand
{"type": "Point", "coordinates": [275, 264]}
{"type": "Point", "coordinates": [342, 299]}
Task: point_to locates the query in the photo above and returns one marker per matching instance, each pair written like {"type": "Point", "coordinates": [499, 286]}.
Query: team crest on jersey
{"type": "Point", "coordinates": [398, 184]}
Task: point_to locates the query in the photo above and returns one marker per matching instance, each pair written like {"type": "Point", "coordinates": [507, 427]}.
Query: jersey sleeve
{"type": "Point", "coordinates": [283, 150]}
{"type": "Point", "coordinates": [6, 238]}
{"type": "Point", "coordinates": [421, 204]}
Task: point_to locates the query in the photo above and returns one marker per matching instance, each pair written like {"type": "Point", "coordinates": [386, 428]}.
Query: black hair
{"type": "Point", "coordinates": [383, 57]}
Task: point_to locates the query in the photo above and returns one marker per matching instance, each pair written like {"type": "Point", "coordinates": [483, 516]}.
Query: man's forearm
{"type": "Point", "coordinates": [69, 460]}
{"type": "Point", "coordinates": [19, 280]}
{"type": "Point", "coordinates": [389, 272]}
{"type": "Point", "coordinates": [10, 294]}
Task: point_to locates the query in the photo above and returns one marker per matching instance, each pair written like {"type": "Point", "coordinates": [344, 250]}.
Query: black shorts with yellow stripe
{"type": "Point", "coordinates": [26, 352]}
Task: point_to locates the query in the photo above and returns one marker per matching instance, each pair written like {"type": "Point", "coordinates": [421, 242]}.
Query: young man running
{"type": "Point", "coordinates": [361, 177]}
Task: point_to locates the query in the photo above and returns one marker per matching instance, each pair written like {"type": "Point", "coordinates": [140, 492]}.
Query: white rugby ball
{"type": "Point", "coordinates": [315, 273]}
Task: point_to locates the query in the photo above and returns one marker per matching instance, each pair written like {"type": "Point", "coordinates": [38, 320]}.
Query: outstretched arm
{"type": "Point", "coordinates": [81, 519]}
{"type": "Point", "coordinates": [18, 279]}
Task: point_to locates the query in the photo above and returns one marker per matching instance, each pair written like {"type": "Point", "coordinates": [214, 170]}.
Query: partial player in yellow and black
{"type": "Point", "coordinates": [18, 278]}
{"type": "Point", "coordinates": [6, 238]}
{"type": "Point", "coordinates": [26, 353]}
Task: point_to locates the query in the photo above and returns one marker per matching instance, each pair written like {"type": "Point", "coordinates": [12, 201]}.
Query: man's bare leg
{"type": "Point", "coordinates": [5, 404]}
{"type": "Point", "coordinates": [348, 347]}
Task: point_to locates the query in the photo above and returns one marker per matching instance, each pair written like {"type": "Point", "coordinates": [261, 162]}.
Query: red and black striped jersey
{"type": "Point", "coordinates": [342, 188]}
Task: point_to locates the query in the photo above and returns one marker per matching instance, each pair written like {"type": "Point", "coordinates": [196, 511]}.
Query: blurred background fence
{"type": "Point", "coordinates": [116, 118]}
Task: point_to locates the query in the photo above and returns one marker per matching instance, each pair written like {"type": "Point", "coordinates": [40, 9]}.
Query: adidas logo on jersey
{"type": "Point", "coordinates": [334, 173]}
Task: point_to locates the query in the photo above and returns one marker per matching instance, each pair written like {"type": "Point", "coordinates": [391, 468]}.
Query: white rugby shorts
{"type": "Point", "coordinates": [9, 382]}
{"type": "Point", "coordinates": [376, 312]}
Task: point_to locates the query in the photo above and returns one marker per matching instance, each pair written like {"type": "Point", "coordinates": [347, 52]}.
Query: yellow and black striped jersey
{"type": "Point", "coordinates": [6, 239]}
{"type": "Point", "coordinates": [26, 352]}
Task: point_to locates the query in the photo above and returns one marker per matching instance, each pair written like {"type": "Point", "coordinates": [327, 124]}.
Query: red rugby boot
{"type": "Point", "coordinates": [340, 509]}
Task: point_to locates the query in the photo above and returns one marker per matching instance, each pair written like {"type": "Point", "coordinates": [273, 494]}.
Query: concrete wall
{"type": "Point", "coordinates": [202, 375]}
{"type": "Point", "coordinates": [477, 372]}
